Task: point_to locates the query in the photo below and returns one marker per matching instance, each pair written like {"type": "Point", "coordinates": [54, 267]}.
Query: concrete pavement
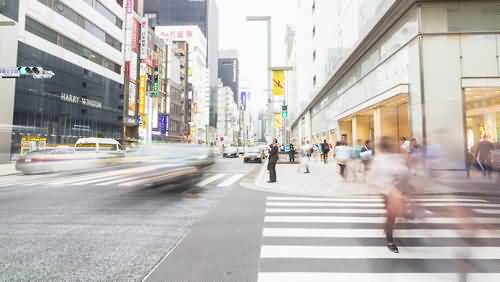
{"type": "Point", "coordinates": [324, 180]}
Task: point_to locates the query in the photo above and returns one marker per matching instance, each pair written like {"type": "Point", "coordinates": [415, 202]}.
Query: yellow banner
{"type": "Point", "coordinates": [142, 99]}
{"type": "Point", "coordinates": [278, 82]}
{"type": "Point", "coordinates": [277, 120]}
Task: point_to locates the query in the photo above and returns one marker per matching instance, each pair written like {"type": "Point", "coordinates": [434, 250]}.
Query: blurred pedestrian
{"type": "Point", "coordinates": [414, 156]}
{"type": "Point", "coordinates": [483, 155]}
{"type": "Point", "coordinates": [389, 172]}
{"type": "Point", "coordinates": [291, 153]}
{"type": "Point", "coordinates": [366, 156]}
{"type": "Point", "coordinates": [273, 160]}
{"type": "Point", "coordinates": [325, 149]}
{"type": "Point", "coordinates": [306, 153]}
{"type": "Point", "coordinates": [342, 156]}
{"type": "Point", "coordinates": [405, 145]}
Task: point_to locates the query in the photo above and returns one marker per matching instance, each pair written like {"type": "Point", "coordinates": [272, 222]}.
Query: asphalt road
{"type": "Point", "coordinates": [92, 227]}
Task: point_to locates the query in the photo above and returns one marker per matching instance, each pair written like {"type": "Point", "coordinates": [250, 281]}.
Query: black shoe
{"type": "Point", "coordinates": [307, 172]}
{"type": "Point", "coordinates": [392, 247]}
{"type": "Point", "coordinates": [271, 181]}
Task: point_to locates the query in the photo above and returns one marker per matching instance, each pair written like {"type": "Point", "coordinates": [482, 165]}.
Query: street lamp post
{"type": "Point", "coordinates": [268, 115]}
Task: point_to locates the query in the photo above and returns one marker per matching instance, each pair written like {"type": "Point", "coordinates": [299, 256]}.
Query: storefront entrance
{"type": "Point", "coordinates": [388, 118]}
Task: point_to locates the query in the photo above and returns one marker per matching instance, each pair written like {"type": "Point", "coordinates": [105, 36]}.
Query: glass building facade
{"type": "Point", "coordinates": [75, 103]}
{"type": "Point", "coordinates": [179, 12]}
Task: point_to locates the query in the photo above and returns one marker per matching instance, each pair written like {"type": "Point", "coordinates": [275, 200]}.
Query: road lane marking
{"type": "Point", "coordinates": [374, 233]}
{"type": "Point", "coordinates": [361, 219]}
{"type": "Point", "coordinates": [210, 180]}
{"type": "Point", "coordinates": [370, 252]}
{"type": "Point", "coordinates": [231, 180]}
{"type": "Point", "coordinates": [372, 277]}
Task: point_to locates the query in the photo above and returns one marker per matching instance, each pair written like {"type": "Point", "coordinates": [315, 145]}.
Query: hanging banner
{"type": "Point", "coordinates": [277, 120]}
{"type": "Point", "coordinates": [278, 83]}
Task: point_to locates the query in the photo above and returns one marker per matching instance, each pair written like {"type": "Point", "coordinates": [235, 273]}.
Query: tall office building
{"type": "Point", "coordinates": [229, 71]}
{"type": "Point", "coordinates": [83, 45]}
{"type": "Point", "coordinates": [202, 13]}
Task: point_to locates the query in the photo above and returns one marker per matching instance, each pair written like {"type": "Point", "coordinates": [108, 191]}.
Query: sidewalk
{"type": "Point", "coordinates": [324, 180]}
{"type": "Point", "coordinates": [8, 169]}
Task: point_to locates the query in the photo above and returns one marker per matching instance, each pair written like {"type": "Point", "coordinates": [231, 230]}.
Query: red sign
{"type": "Point", "coordinates": [135, 36]}
{"type": "Point", "coordinates": [126, 70]}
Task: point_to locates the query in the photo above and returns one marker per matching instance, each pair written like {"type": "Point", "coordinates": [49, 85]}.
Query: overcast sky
{"type": "Point", "coordinates": [250, 38]}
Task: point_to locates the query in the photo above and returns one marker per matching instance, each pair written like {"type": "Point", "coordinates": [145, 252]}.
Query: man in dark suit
{"type": "Point", "coordinates": [273, 159]}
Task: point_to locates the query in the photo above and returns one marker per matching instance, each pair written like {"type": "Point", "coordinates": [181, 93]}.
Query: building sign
{"type": "Point", "coordinates": [278, 82]}
{"type": "Point", "coordinates": [163, 122]}
{"type": "Point", "coordinates": [243, 100]}
{"type": "Point", "coordinates": [9, 72]}
{"type": "Point", "coordinates": [142, 94]}
{"type": "Point", "coordinates": [144, 38]}
{"type": "Point", "coordinates": [66, 97]}
{"type": "Point", "coordinates": [132, 99]}
{"type": "Point", "coordinates": [135, 36]}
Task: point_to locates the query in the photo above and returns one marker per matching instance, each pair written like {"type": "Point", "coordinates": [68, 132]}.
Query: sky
{"type": "Point", "coordinates": [250, 38]}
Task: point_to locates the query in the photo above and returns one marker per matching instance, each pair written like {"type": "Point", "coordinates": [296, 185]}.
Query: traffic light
{"type": "Point", "coordinates": [23, 71]}
{"type": "Point", "coordinates": [284, 111]}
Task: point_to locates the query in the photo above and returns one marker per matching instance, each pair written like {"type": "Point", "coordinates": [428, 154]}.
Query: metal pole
{"type": "Point", "coordinates": [269, 82]}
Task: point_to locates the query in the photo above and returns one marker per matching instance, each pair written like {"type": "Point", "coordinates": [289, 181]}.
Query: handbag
{"type": "Point", "coordinates": [366, 155]}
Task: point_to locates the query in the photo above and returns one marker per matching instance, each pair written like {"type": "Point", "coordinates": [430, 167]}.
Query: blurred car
{"type": "Point", "coordinates": [230, 152]}
{"type": "Point", "coordinates": [241, 150]}
{"type": "Point", "coordinates": [87, 154]}
{"type": "Point", "coordinates": [253, 154]}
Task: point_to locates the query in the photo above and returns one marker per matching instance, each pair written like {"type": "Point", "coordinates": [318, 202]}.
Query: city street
{"type": "Point", "coordinates": [94, 227]}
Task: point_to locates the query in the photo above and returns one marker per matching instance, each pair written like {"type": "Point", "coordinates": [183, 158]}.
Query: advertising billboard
{"type": "Point", "coordinates": [144, 38]}
{"type": "Point", "coordinates": [278, 83]}
{"type": "Point", "coordinates": [132, 99]}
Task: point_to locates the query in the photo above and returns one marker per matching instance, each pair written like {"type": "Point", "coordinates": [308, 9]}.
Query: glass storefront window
{"type": "Point", "coordinates": [482, 107]}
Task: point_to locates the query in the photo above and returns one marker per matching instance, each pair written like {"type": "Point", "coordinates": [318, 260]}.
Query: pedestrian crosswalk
{"type": "Point", "coordinates": [342, 239]}
{"type": "Point", "coordinates": [120, 178]}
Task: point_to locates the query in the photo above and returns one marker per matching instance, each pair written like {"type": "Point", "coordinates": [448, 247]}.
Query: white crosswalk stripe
{"type": "Point", "coordinates": [231, 180]}
{"type": "Point", "coordinates": [305, 231]}
{"type": "Point", "coordinates": [373, 277]}
{"type": "Point", "coordinates": [211, 179]}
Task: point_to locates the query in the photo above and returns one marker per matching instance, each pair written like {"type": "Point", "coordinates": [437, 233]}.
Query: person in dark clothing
{"type": "Point", "coordinates": [291, 154]}
{"type": "Point", "coordinates": [273, 159]}
{"type": "Point", "coordinates": [325, 149]}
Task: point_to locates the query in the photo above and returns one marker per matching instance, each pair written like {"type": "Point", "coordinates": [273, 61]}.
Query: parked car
{"type": "Point", "coordinates": [253, 154]}
{"type": "Point", "coordinates": [230, 152]}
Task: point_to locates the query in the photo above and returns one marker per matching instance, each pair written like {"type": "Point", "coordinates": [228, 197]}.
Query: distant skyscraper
{"type": "Point", "coordinates": [229, 71]}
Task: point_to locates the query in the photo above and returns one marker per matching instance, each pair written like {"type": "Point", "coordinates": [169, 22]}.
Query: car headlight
{"type": "Point", "coordinates": [27, 160]}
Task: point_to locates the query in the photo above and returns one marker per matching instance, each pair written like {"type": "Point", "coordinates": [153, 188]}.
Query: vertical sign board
{"type": "Point", "coordinates": [142, 93]}
{"type": "Point", "coordinates": [135, 36]}
{"type": "Point", "coordinates": [163, 121]}
{"type": "Point", "coordinates": [132, 101]}
{"type": "Point", "coordinates": [278, 83]}
{"type": "Point", "coordinates": [243, 100]}
{"type": "Point", "coordinates": [144, 38]}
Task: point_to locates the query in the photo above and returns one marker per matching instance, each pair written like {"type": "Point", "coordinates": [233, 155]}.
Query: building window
{"type": "Point", "coordinates": [52, 36]}
{"type": "Point", "coordinates": [314, 55]}
{"type": "Point", "coordinates": [74, 17]}
{"type": "Point", "coordinates": [99, 7]}
{"type": "Point", "coordinates": [314, 81]}
{"type": "Point", "coordinates": [314, 31]}
{"type": "Point", "coordinates": [314, 6]}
